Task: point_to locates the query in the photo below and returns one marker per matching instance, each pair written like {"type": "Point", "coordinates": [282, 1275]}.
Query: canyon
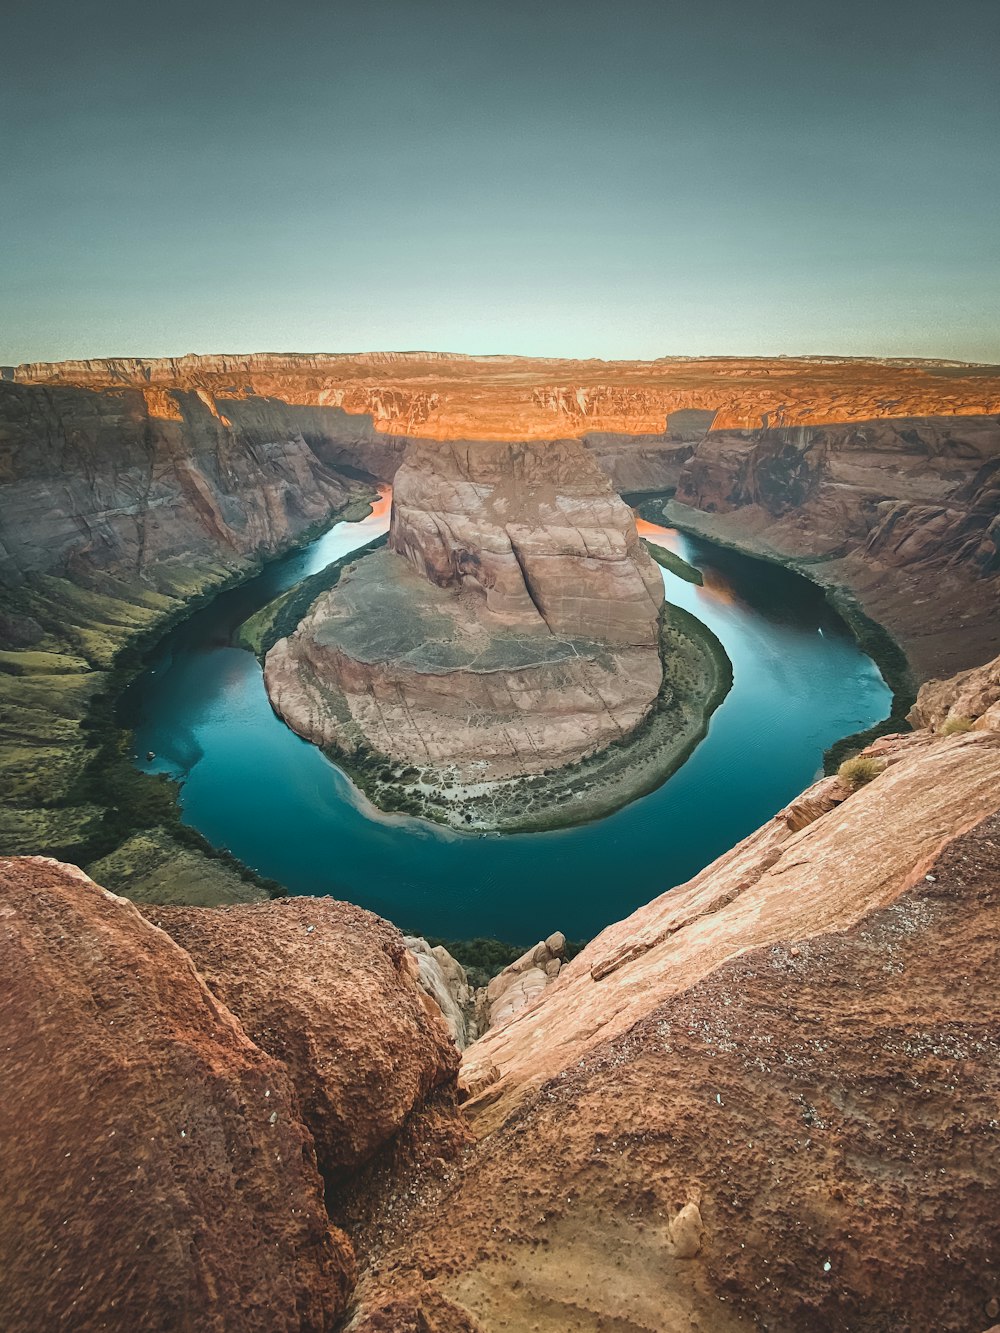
{"type": "Point", "coordinates": [767, 1098]}
{"type": "Point", "coordinates": [132, 487]}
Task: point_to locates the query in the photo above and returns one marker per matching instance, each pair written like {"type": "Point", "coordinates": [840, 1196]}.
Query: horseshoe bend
{"type": "Point", "coordinates": [765, 1097]}
{"type": "Point", "coordinates": [511, 628]}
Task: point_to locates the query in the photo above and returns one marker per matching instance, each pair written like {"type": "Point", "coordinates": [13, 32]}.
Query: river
{"type": "Point", "coordinates": [248, 783]}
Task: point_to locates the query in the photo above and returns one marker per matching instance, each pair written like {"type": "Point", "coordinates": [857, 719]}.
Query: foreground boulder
{"type": "Point", "coordinates": [330, 990]}
{"type": "Point", "coordinates": [155, 1170]}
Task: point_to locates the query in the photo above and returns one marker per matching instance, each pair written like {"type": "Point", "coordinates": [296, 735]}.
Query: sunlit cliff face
{"type": "Point", "coordinates": [424, 396]}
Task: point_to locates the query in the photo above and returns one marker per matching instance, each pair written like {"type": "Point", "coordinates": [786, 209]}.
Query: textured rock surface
{"type": "Point", "coordinates": [330, 990]}
{"type": "Point", "coordinates": [537, 529]}
{"type": "Point", "coordinates": [443, 979]}
{"type": "Point", "coordinates": [512, 627]}
{"type": "Point", "coordinates": [521, 982]}
{"type": "Point", "coordinates": [904, 512]}
{"type": "Point", "coordinates": [972, 698]}
{"type": "Point", "coordinates": [156, 1172]}
{"type": "Point", "coordinates": [117, 483]}
{"type": "Point", "coordinates": [780, 1080]}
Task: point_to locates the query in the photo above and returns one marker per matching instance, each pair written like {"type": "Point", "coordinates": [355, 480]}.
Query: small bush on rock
{"type": "Point", "coordinates": [954, 725]}
{"type": "Point", "coordinates": [859, 770]}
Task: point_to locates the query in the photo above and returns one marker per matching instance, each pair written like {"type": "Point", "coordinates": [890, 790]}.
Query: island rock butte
{"type": "Point", "coordinates": [511, 626]}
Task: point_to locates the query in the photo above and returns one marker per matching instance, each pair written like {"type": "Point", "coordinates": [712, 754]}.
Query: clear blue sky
{"type": "Point", "coordinates": [625, 179]}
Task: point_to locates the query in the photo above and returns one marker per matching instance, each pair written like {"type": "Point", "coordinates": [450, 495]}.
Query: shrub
{"type": "Point", "coordinates": [859, 770]}
{"type": "Point", "coordinates": [954, 725]}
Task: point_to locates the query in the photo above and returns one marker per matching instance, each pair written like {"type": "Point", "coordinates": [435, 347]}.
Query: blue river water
{"type": "Point", "coordinates": [250, 784]}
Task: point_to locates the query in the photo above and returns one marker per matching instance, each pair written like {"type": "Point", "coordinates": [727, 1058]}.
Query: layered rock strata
{"type": "Point", "coordinates": [511, 627]}
{"type": "Point", "coordinates": [905, 512]}
{"type": "Point", "coordinates": [444, 396]}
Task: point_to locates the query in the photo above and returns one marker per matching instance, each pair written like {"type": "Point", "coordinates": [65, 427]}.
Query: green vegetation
{"type": "Point", "coordinates": [70, 789]}
{"type": "Point", "coordinates": [956, 725]}
{"type": "Point", "coordinates": [155, 867]}
{"type": "Point", "coordinates": [674, 562]}
{"type": "Point", "coordinates": [860, 770]}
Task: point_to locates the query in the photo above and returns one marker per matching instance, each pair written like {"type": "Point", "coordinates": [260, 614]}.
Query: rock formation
{"type": "Point", "coordinates": [156, 1171]}
{"type": "Point", "coordinates": [442, 978]}
{"type": "Point", "coordinates": [780, 1081]}
{"type": "Point", "coordinates": [904, 512]}
{"type": "Point", "coordinates": [331, 991]}
{"type": "Point", "coordinates": [970, 700]}
{"type": "Point", "coordinates": [443, 396]}
{"type": "Point", "coordinates": [520, 983]}
{"type": "Point", "coordinates": [511, 627]}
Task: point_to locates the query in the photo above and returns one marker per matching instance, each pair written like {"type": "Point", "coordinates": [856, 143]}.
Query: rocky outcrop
{"type": "Point", "coordinates": [442, 978]}
{"type": "Point", "coordinates": [969, 701]}
{"type": "Point", "coordinates": [128, 484]}
{"type": "Point", "coordinates": [156, 1171]}
{"type": "Point", "coordinates": [511, 628]}
{"type": "Point", "coordinates": [520, 983]}
{"type": "Point", "coordinates": [332, 992]}
{"type": "Point", "coordinates": [536, 529]}
{"type": "Point", "coordinates": [766, 1077]}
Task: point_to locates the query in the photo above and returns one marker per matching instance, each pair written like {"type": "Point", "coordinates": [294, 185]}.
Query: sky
{"type": "Point", "coordinates": [556, 178]}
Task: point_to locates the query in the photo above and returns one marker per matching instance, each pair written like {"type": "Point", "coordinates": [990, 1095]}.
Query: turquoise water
{"type": "Point", "coordinates": [249, 784]}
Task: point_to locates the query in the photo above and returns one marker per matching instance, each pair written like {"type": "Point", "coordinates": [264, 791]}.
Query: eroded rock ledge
{"type": "Point", "coordinates": [512, 628]}
{"type": "Point", "coordinates": [766, 1099]}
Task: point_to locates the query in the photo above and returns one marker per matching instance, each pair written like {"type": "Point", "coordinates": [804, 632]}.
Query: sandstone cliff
{"type": "Point", "coordinates": [164, 1106]}
{"type": "Point", "coordinates": [443, 396]}
{"type": "Point", "coordinates": [511, 627]}
{"type": "Point", "coordinates": [779, 1080]}
{"type": "Point", "coordinates": [906, 513]}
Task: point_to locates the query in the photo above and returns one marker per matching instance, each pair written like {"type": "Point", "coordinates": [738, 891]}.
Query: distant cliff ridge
{"type": "Point", "coordinates": [446, 397]}
{"type": "Point", "coordinates": [886, 470]}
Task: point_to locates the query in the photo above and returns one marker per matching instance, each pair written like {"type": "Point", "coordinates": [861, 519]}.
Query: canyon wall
{"type": "Point", "coordinates": [119, 484]}
{"type": "Point", "coordinates": [886, 471]}
{"type": "Point", "coordinates": [905, 512]}
{"type": "Point", "coordinates": [441, 396]}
